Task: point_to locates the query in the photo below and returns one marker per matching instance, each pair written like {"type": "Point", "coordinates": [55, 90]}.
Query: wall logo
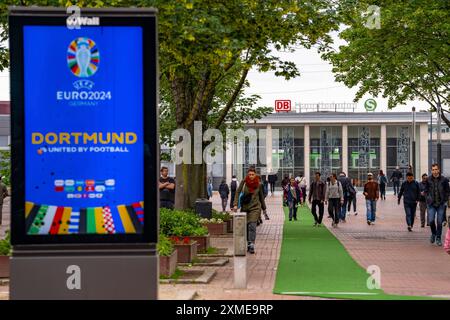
{"type": "Point", "coordinates": [370, 105]}
{"type": "Point", "coordinates": [83, 57]}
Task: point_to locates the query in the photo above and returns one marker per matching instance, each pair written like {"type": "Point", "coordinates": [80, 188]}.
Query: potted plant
{"type": "Point", "coordinates": [5, 252]}
{"type": "Point", "coordinates": [167, 256]}
{"type": "Point", "coordinates": [186, 247]}
{"type": "Point", "coordinates": [226, 217]}
{"type": "Point", "coordinates": [183, 223]}
{"type": "Point", "coordinates": [215, 226]}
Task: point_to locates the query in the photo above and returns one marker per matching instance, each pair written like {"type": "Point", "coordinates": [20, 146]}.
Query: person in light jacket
{"type": "Point", "coordinates": [334, 197]}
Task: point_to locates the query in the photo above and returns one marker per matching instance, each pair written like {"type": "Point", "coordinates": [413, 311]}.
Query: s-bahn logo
{"type": "Point", "coordinates": [83, 57]}
{"type": "Point", "coordinates": [370, 105]}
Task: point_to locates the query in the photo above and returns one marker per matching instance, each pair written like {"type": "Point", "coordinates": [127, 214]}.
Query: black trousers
{"type": "Point", "coordinates": [334, 208]}
{"type": "Point", "coordinates": [304, 194]}
{"type": "Point", "coordinates": [383, 190]}
{"type": "Point", "coordinates": [272, 187]}
{"type": "Point", "coordinates": [314, 205]}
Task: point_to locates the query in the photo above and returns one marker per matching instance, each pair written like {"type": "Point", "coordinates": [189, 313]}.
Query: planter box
{"type": "Point", "coordinates": [202, 242]}
{"type": "Point", "coordinates": [167, 265]}
{"type": "Point", "coordinates": [186, 252]}
{"type": "Point", "coordinates": [229, 226]}
{"type": "Point", "coordinates": [4, 266]}
{"type": "Point", "coordinates": [216, 228]}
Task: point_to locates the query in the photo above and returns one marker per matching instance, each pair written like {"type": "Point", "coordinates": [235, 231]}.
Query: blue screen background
{"type": "Point", "coordinates": [46, 72]}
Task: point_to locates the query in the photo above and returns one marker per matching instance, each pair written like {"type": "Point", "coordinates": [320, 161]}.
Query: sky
{"type": "Point", "coordinates": [316, 83]}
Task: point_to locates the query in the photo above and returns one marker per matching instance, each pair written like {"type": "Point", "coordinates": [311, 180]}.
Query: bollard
{"type": "Point", "coordinates": [240, 250]}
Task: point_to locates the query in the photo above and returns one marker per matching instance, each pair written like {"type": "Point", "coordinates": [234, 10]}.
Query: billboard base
{"type": "Point", "coordinates": [114, 274]}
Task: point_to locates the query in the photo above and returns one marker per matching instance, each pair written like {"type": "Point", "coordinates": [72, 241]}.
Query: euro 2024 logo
{"type": "Point", "coordinates": [83, 59]}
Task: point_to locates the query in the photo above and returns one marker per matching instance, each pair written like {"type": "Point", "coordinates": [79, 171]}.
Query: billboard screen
{"type": "Point", "coordinates": [84, 110]}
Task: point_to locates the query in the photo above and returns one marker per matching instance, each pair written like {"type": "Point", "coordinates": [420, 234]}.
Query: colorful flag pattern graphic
{"type": "Point", "coordinates": [54, 220]}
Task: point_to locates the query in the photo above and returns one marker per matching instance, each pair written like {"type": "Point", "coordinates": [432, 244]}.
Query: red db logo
{"type": "Point", "coordinates": [282, 105]}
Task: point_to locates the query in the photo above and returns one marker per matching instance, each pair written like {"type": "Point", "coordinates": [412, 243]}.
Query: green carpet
{"type": "Point", "coordinates": [314, 263]}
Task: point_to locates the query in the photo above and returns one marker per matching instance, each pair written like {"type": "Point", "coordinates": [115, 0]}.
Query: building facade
{"type": "Point", "coordinates": [356, 143]}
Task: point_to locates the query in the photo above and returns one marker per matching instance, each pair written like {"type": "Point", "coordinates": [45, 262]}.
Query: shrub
{"type": "Point", "coordinates": [5, 245]}
{"type": "Point", "coordinates": [212, 220]}
{"type": "Point", "coordinates": [222, 216]}
{"type": "Point", "coordinates": [180, 223]}
{"type": "Point", "coordinates": [164, 246]}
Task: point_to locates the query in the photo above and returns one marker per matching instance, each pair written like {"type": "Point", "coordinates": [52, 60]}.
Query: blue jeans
{"type": "Point", "coordinates": [410, 210]}
{"type": "Point", "coordinates": [434, 212]}
{"type": "Point", "coordinates": [371, 206]}
{"type": "Point", "coordinates": [343, 210]}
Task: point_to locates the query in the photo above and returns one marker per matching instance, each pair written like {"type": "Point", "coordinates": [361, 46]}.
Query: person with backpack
{"type": "Point", "coordinates": [372, 194]}
{"type": "Point", "coordinates": [410, 190]}
{"type": "Point", "coordinates": [233, 187]}
{"type": "Point", "coordinates": [293, 196]}
{"type": "Point", "coordinates": [224, 191]}
{"type": "Point", "coordinates": [352, 199]}
{"type": "Point", "coordinates": [334, 197]}
{"type": "Point", "coordinates": [345, 183]}
{"type": "Point", "coordinates": [252, 202]}
{"type": "Point", "coordinates": [382, 181]}
{"type": "Point", "coordinates": [395, 178]}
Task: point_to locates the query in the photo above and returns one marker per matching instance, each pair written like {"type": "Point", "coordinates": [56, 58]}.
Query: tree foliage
{"type": "Point", "coordinates": [408, 58]}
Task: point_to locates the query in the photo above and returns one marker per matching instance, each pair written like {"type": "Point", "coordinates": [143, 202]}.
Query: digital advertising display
{"type": "Point", "coordinates": [84, 107]}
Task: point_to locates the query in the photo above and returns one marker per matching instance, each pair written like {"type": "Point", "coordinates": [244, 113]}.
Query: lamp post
{"type": "Point", "coordinates": [439, 146]}
{"type": "Point", "coordinates": [414, 140]}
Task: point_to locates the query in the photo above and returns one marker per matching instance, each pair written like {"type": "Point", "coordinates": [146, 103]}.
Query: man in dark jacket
{"type": "Point", "coordinates": [272, 180]}
{"type": "Point", "coordinates": [410, 191]}
{"type": "Point", "coordinates": [224, 191]}
{"type": "Point", "coordinates": [437, 192]}
{"type": "Point", "coordinates": [423, 201]}
{"type": "Point", "coordinates": [317, 191]}
{"type": "Point", "coordinates": [345, 183]}
{"type": "Point", "coordinates": [233, 187]}
{"type": "Point", "coordinates": [395, 178]}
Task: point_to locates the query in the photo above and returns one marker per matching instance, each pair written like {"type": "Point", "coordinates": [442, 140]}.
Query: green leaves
{"type": "Point", "coordinates": [406, 59]}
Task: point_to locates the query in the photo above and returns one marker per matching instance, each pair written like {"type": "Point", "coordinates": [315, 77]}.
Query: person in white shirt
{"type": "Point", "coordinates": [302, 183]}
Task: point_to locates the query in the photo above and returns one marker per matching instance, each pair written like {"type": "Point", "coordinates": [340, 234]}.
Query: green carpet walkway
{"type": "Point", "coordinates": [314, 263]}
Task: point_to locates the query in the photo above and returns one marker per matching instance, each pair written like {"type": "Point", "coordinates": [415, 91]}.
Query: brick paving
{"type": "Point", "coordinates": [409, 264]}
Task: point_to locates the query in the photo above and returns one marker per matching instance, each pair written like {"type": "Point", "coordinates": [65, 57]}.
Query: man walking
{"type": "Point", "coordinates": [345, 183]}
{"type": "Point", "coordinates": [317, 191]}
{"type": "Point", "coordinates": [372, 194]}
{"type": "Point", "coordinates": [334, 197]}
{"type": "Point", "coordinates": [233, 187]}
{"type": "Point", "coordinates": [437, 192]}
{"type": "Point", "coordinates": [302, 183]}
{"type": "Point", "coordinates": [272, 180]}
{"type": "Point", "coordinates": [423, 201]}
{"type": "Point", "coordinates": [395, 178]}
{"type": "Point", "coordinates": [166, 189]}
{"type": "Point", "coordinates": [410, 191]}
{"type": "Point", "coordinates": [224, 191]}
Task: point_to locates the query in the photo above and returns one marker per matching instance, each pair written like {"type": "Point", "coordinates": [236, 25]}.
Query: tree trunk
{"type": "Point", "coordinates": [190, 181]}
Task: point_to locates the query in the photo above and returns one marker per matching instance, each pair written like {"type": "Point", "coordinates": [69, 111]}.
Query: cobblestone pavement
{"type": "Point", "coordinates": [409, 264]}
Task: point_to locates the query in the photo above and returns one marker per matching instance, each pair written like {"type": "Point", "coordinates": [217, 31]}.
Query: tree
{"type": "Point", "coordinates": [206, 49]}
{"type": "Point", "coordinates": [406, 59]}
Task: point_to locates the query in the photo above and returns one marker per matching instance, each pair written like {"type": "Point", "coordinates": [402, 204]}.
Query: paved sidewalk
{"type": "Point", "coordinates": [409, 264]}
{"type": "Point", "coordinates": [261, 266]}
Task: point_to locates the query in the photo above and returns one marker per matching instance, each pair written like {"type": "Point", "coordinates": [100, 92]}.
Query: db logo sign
{"type": "Point", "coordinates": [282, 105]}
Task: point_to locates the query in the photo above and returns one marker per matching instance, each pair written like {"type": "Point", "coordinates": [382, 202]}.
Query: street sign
{"type": "Point", "coordinates": [85, 151]}
{"type": "Point", "coordinates": [282, 105]}
{"type": "Point", "coordinates": [370, 105]}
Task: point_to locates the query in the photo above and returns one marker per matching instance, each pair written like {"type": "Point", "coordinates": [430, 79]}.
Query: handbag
{"type": "Point", "coordinates": [447, 242]}
{"type": "Point", "coordinates": [244, 198]}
